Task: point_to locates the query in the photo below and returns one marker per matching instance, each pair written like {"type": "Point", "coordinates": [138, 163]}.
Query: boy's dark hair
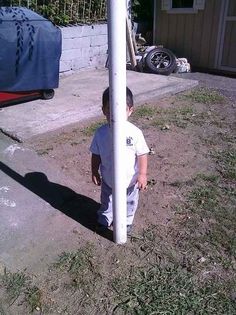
{"type": "Point", "coordinates": [129, 97]}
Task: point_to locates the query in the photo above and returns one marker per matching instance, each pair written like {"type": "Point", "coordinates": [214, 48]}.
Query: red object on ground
{"type": "Point", "coordinates": [7, 98]}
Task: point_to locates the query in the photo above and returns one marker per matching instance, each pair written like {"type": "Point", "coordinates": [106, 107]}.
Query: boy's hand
{"type": "Point", "coordinates": [142, 182]}
{"type": "Point", "coordinates": [95, 164]}
{"type": "Point", "coordinates": [96, 178]}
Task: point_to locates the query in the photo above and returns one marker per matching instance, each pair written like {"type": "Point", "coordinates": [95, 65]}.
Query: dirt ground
{"type": "Point", "coordinates": [173, 226]}
{"type": "Point", "coordinates": [173, 128]}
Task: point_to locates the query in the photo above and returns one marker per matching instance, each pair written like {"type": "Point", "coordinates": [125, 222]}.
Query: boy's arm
{"type": "Point", "coordinates": [95, 163]}
{"type": "Point", "coordinates": [142, 171]}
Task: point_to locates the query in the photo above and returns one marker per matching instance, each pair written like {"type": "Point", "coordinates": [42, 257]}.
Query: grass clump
{"type": "Point", "coordinates": [205, 96]}
{"type": "Point", "coordinates": [81, 267]}
{"type": "Point", "coordinates": [33, 297]}
{"type": "Point", "coordinates": [90, 130]}
{"type": "Point", "coordinates": [17, 285]}
{"type": "Point", "coordinates": [14, 283]}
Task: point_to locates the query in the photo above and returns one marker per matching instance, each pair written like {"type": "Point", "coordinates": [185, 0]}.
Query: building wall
{"type": "Point", "coordinates": [193, 36]}
{"type": "Point", "coordinates": [83, 46]}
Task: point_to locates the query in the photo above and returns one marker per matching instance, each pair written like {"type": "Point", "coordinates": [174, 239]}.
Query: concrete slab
{"type": "Point", "coordinates": [79, 98]}
{"type": "Point", "coordinates": [41, 210]}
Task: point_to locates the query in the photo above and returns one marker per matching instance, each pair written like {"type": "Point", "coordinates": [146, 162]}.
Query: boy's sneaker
{"type": "Point", "coordinates": [129, 229]}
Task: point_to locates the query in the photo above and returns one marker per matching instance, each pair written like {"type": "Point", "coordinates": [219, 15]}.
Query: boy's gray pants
{"type": "Point", "coordinates": [105, 213]}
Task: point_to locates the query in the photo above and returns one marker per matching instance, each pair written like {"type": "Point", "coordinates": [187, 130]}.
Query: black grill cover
{"type": "Point", "coordinates": [30, 50]}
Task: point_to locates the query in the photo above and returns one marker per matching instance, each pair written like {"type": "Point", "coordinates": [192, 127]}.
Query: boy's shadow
{"type": "Point", "coordinates": [78, 207]}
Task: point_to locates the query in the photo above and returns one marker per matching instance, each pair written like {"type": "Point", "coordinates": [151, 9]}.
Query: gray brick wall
{"type": "Point", "coordinates": [83, 46]}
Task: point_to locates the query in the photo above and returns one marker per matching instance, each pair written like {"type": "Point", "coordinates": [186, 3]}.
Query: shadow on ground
{"type": "Point", "coordinates": [76, 206]}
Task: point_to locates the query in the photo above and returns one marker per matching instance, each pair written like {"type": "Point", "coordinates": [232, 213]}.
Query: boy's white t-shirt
{"type": "Point", "coordinates": [135, 145]}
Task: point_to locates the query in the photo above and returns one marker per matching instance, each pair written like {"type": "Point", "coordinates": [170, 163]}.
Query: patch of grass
{"type": "Point", "coordinates": [226, 161]}
{"type": "Point", "coordinates": [73, 261]}
{"type": "Point", "coordinates": [150, 247]}
{"type": "Point", "coordinates": [219, 138]}
{"type": "Point", "coordinates": [44, 151]}
{"type": "Point", "coordinates": [2, 310]}
{"type": "Point", "coordinates": [170, 290]}
{"type": "Point", "coordinates": [211, 216]}
{"type": "Point", "coordinates": [212, 178]}
{"type": "Point", "coordinates": [179, 117]}
{"type": "Point", "coordinates": [205, 197]}
{"type": "Point", "coordinates": [179, 183]}
{"type": "Point", "coordinates": [145, 111]}
{"type": "Point", "coordinates": [13, 283]}
{"type": "Point", "coordinates": [160, 117]}
{"type": "Point", "coordinates": [90, 130]}
{"type": "Point", "coordinates": [81, 267]}
{"type": "Point", "coordinates": [227, 137]}
{"type": "Point", "coordinates": [17, 285]}
{"type": "Point", "coordinates": [74, 143]}
{"type": "Point", "coordinates": [33, 298]}
{"type": "Point", "coordinates": [205, 96]}
{"type": "Point", "coordinates": [221, 237]}
{"type": "Point", "coordinates": [160, 122]}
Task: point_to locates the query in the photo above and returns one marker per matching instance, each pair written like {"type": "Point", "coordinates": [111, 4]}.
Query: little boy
{"type": "Point", "coordinates": [101, 163]}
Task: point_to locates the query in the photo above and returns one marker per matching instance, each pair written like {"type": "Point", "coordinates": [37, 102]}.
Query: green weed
{"type": "Point", "coordinates": [33, 298]}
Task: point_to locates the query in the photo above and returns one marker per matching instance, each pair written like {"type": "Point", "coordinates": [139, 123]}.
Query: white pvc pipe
{"type": "Point", "coordinates": [117, 83]}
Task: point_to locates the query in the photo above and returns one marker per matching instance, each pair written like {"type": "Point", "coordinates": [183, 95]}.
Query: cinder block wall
{"type": "Point", "coordinates": [83, 46]}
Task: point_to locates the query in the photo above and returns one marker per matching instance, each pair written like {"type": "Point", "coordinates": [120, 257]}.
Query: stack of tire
{"type": "Point", "coordinates": [160, 61]}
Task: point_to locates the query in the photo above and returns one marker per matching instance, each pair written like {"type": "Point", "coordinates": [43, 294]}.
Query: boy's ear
{"type": "Point", "coordinates": [131, 109]}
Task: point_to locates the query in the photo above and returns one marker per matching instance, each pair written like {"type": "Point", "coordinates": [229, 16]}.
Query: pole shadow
{"type": "Point", "coordinates": [76, 206]}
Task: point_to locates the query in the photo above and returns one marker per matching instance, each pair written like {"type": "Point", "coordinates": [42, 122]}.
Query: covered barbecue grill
{"type": "Point", "coordinates": [30, 50]}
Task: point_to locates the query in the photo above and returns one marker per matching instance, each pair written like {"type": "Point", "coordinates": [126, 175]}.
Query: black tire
{"type": "Point", "coordinates": [48, 94]}
{"type": "Point", "coordinates": [160, 61]}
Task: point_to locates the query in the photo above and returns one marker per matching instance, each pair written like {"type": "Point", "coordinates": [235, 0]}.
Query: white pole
{"type": "Point", "coordinates": [117, 82]}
